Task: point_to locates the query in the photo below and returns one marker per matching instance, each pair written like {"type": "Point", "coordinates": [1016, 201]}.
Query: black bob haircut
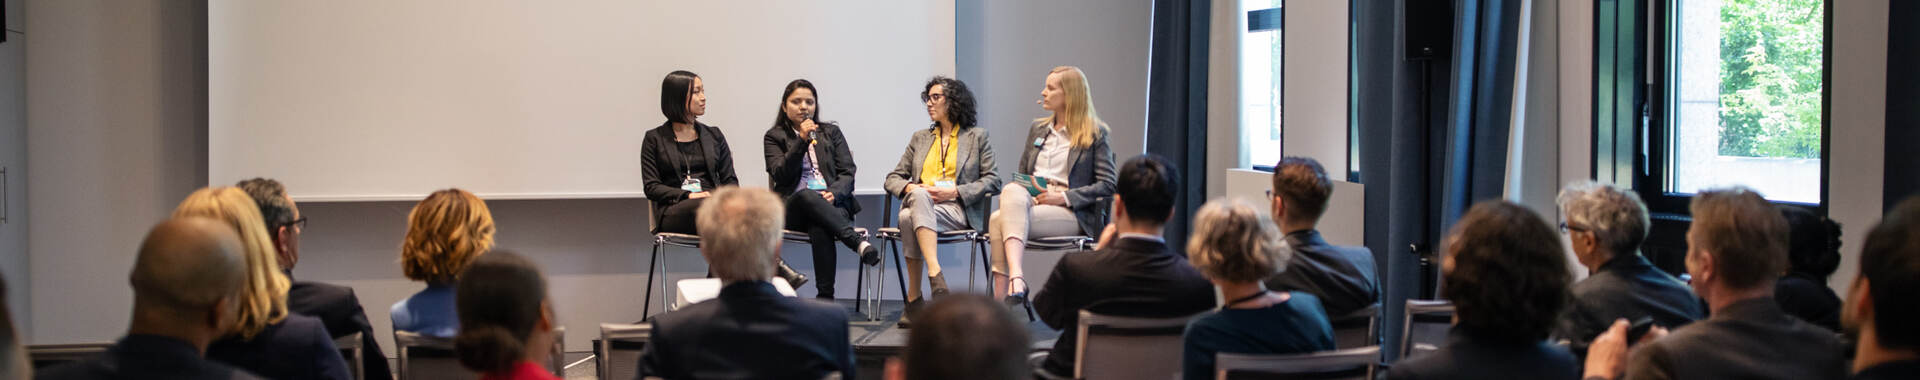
{"type": "Point", "coordinates": [960, 108]}
{"type": "Point", "coordinates": [1148, 187]}
{"type": "Point", "coordinates": [674, 92]}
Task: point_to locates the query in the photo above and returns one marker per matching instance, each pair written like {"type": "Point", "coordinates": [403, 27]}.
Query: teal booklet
{"type": "Point", "coordinates": [1034, 185]}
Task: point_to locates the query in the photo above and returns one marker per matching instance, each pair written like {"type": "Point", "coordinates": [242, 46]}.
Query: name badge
{"type": "Point", "coordinates": [943, 184]}
{"type": "Point", "coordinates": [816, 184]}
{"type": "Point", "coordinates": [1038, 141]}
{"type": "Point", "coordinates": [690, 185]}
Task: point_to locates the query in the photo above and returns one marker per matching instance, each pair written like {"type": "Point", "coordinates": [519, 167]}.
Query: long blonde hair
{"type": "Point", "coordinates": [1083, 123]}
{"type": "Point", "coordinates": [445, 232]}
{"type": "Point", "coordinates": [263, 299]}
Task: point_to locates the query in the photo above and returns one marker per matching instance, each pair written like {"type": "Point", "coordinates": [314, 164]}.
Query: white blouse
{"type": "Point", "coordinates": [1054, 161]}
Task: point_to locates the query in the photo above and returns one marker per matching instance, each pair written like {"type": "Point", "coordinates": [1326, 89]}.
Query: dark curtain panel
{"type": "Point", "coordinates": [1480, 114]}
{"type": "Point", "coordinates": [1177, 103]}
{"type": "Point", "coordinates": [1395, 116]}
{"type": "Point", "coordinates": [1903, 102]}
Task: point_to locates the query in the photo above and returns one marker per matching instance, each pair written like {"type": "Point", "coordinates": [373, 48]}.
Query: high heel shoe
{"type": "Point", "coordinates": [1018, 298]}
{"type": "Point", "coordinates": [794, 278]}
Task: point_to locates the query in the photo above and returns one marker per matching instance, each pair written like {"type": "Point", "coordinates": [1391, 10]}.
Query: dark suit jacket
{"type": "Point", "coordinates": [750, 332]}
{"type": "Point", "coordinates": [1131, 277]}
{"type": "Point", "coordinates": [296, 348]}
{"type": "Point", "coordinates": [1092, 176]}
{"type": "Point", "coordinates": [1626, 287]}
{"type": "Point", "coordinates": [786, 151]}
{"type": "Point", "coordinates": [1807, 297]}
{"type": "Point", "coordinates": [1749, 339]}
{"type": "Point", "coordinates": [146, 357]}
{"type": "Point", "coordinates": [1468, 356]}
{"type": "Point", "coordinates": [1900, 370]}
{"type": "Point", "coordinates": [1343, 277]}
{"type": "Point", "coordinates": [662, 170]}
{"type": "Point", "coordinates": [340, 311]}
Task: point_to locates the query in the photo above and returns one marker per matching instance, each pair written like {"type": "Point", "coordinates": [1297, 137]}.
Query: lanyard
{"type": "Point", "coordinates": [1262, 293]}
{"type": "Point", "coordinates": [945, 148]}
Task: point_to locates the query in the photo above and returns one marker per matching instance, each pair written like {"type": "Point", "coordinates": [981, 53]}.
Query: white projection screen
{"type": "Point", "coordinates": [363, 100]}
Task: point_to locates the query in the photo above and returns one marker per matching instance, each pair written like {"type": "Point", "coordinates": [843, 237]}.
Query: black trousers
{"type": "Point", "coordinates": [679, 217]}
{"type": "Point", "coordinates": [825, 225]}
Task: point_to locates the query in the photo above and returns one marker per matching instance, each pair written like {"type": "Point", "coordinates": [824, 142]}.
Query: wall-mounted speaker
{"type": "Point", "coordinates": [1428, 28]}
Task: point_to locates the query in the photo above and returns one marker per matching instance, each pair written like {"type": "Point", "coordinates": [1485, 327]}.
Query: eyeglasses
{"type": "Point", "coordinates": [932, 97]}
{"type": "Point", "coordinates": [1564, 228]}
{"type": "Point", "coordinates": [298, 224]}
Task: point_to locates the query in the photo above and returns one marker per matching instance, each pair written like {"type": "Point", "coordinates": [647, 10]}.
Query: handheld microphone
{"type": "Point", "coordinates": [813, 135]}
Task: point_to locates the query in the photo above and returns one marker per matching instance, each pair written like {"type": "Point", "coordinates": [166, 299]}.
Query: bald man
{"type": "Point", "coordinates": [186, 289]}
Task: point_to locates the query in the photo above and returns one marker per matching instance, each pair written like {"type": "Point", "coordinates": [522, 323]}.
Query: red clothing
{"type": "Point", "coordinates": [526, 370]}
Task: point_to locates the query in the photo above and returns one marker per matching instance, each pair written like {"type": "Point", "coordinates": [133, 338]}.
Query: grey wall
{"type": "Point", "coordinates": [1003, 50]}
{"type": "Point", "coordinates": [13, 157]}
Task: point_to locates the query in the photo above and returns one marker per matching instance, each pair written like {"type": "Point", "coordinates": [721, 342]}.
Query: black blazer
{"type": "Point", "coordinates": [786, 151]}
{"type": "Point", "coordinates": [662, 170]}
{"type": "Point", "coordinates": [1130, 277]}
{"type": "Point", "coordinates": [1091, 174]}
{"type": "Point", "coordinates": [1342, 277]}
{"type": "Point", "coordinates": [296, 348]}
{"type": "Point", "coordinates": [146, 357]}
{"type": "Point", "coordinates": [1470, 356]}
{"type": "Point", "coordinates": [340, 311]}
{"type": "Point", "coordinates": [750, 332]}
{"type": "Point", "coordinates": [1748, 339]}
{"type": "Point", "coordinates": [1626, 287]}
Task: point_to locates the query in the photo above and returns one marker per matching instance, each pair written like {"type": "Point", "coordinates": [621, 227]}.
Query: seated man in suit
{"type": "Point", "coordinates": [186, 293]}
{"type": "Point", "coordinates": [336, 306]}
{"type": "Point", "coordinates": [1134, 273]}
{"type": "Point", "coordinates": [750, 331]}
{"type": "Point", "coordinates": [1342, 277]}
{"type": "Point", "coordinates": [1736, 247]}
{"type": "Point", "coordinates": [1606, 225]}
{"type": "Point", "coordinates": [1880, 307]}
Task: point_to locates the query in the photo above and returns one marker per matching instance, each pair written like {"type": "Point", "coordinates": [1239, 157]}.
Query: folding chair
{"type": "Point", "coordinates": [619, 349]}
{"type": "Point", "coordinates": [1425, 328]}
{"type": "Point", "coordinates": [1347, 364]}
{"type": "Point", "coordinates": [662, 240]}
{"type": "Point", "coordinates": [48, 355]}
{"type": "Point", "coordinates": [1357, 329]}
{"type": "Point", "coordinates": [861, 285]}
{"type": "Point", "coordinates": [1112, 347]}
{"type": "Point", "coordinates": [427, 357]}
{"type": "Point", "coordinates": [354, 353]}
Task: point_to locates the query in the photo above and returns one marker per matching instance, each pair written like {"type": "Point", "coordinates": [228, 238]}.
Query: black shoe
{"type": "Point", "coordinates": [939, 283]}
{"type": "Point", "coordinates": [906, 316]}
{"type": "Point", "coordinates": [1020, 298]}
{"type": "Point", "coordinates": [869, 255]}
{"type": "Point", "coordinates": [794, 278]}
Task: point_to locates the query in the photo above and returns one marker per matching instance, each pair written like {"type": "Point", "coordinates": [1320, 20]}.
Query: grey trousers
{"type": "Point", "coordinates": [920, 211]}
{"type": "Point", "coordinates": [1019, 218]}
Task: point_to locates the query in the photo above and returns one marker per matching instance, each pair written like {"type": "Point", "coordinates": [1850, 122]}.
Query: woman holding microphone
{"type": "Point", "coordinates": [1064, 183]}
{"type": "Point", "coordinates": [683, 160]}
{"type": "Point", "coordinates": [809, 165]}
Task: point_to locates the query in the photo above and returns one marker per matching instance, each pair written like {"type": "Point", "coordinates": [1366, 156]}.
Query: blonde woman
{"type": "Point", "coordinates": [267, 340]}
{"type": "Point", "coordinates": [1237, 246]}
{"type": "Point", "coordinates": [445, 232]}
{"type": "Point", "coordinates": [1065, 182]}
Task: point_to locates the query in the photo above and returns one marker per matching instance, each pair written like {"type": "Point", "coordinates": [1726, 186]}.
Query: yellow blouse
{"type": "Point", "coordinates": [940, 163]}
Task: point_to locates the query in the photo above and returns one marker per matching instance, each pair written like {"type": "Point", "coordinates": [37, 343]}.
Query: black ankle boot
{"type": "Point", "coordinates": [869, 253]}
{"type": "Point", "coordinates": [794, 278]}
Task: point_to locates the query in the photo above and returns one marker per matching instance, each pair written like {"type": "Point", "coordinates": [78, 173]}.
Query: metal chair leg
{"type": "Point", "coordinates": [647, 306]}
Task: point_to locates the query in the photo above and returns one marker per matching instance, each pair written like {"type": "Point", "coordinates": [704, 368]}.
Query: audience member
{"type": "Point", "coordinates": [187, 283]}
{"type": "Point", "coordinates": [1237, 246]}
{"type": "Point", "coordinates": [944, 181]}
{"type": "Point", "coordinates": [445, 232]}
{"type": "Point", "coordinates": [1506, 274]}
{"type": "Point", "coordinates": [1736, 248]}
{"type": "Point", "coordinates": [1880, 310]}
{"type": "Point", "coordinates": [1813, 253]}
{"type": "Point", "coordinates": [750, 331]}
{"type": "Point", "coordinates": [506, 319]}
{"type": "Point", "coordinates": [269, 340]}
{"type": "Point", "coordinates": [1605, 225]}
{"type": "Point", "coordinates": [1133, 274]}
{"type": "Point", "coordinates": [336, 306]}
{"type": "Point", "coordinates": [1342, 277]}
{"type": "Point", "coordinates": [964, 337]}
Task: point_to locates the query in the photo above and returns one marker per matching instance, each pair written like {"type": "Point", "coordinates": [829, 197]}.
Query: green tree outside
{"type": "Point", "coordinates": [1770, 68]}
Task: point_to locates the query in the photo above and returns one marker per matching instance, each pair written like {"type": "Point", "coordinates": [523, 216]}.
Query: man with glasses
{"type": "Point", "coordinates": [1605, 226]}
{"type": "Point", "coordinates": [336, 306]}
{"type": "Point", "coordinates": [1342, 277]}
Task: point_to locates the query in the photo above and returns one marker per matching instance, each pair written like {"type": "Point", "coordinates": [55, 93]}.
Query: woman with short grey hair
{"type": "Point", "coordinates": [1605, 225]}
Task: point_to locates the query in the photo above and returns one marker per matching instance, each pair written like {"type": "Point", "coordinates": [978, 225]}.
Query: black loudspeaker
{"type": "Point", "coordinates": [1429, 28]}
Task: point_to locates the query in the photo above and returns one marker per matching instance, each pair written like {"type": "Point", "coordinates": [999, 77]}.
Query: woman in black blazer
{"type": "Point", "coordinates": [809, 165]}
{"type": "Point", "coordinates": [683, 160]}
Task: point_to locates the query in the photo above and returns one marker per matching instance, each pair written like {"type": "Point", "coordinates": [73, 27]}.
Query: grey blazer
{"type": "Point", "coordinates": [977, 176]}
{"type": "Point", "coordinates": [1091, 174]}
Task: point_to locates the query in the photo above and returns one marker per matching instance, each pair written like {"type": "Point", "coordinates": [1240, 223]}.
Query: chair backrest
{"type": "Point", "coordinates": [1113, 347]}
{"type": "Point", "coordinates": [1357, 329]}
{"type": "Point", "coordinates": [1353, 363]}
{"type": "Point", "coordinates": [618, 350]}
{"type": "Point", "coordinates": [48, 355]}
{"type": "Point", "coordinates": [1426, 327]}
{"type": "Point", "coordinates": [354, 353]}
{"type": "Point", "coordinates": [425, 357]}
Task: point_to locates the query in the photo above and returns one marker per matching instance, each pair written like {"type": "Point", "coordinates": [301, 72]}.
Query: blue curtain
{"type": "Point", "coordinates": [1480, 109]}
{"type": "Point", "coordinates": [1903, 101]}
{"type": "Point", "coordinates": [1177, 103]}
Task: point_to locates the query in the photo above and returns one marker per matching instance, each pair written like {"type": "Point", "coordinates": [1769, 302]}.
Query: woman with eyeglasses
{"type": "Point", "coordinates": [944, 181]}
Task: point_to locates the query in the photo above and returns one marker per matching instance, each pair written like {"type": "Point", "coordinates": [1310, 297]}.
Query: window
{"type": "Point", "coordinates": [1743, 99]}
{"type": "Point", "coordinates": [1260, 80]}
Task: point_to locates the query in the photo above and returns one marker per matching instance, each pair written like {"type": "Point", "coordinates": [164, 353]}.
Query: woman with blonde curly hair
{"type": "Point", "coordinates": [1237, 246]}
{"type": "Point", "coordinates": [268, 340]}
{"type": "Point", "coordinates": [445, 232]}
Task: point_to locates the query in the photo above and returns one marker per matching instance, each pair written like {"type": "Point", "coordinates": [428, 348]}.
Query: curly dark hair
{"type": "Point", "coordinates": [960, 108]}
{"type": "Point", "coordinates": [1506, 272]}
